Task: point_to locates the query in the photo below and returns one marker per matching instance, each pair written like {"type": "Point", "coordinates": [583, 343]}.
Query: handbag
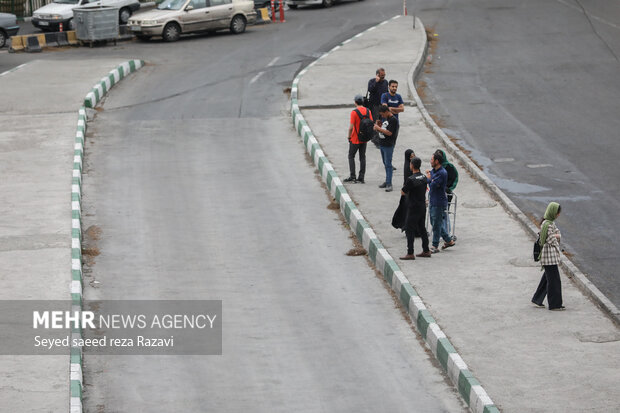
{"type": "Point", "coordinates": [537, 249]}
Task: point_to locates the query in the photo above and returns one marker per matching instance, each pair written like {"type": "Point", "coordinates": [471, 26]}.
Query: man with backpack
{"type": "Point", "coordinates": [361, 130]}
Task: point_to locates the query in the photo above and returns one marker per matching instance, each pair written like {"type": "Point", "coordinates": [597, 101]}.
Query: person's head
{"type": "Point", "coordinates": [392, 86]}
{"type": "Point", "coordinates": [359, 100]}
{"type": "Point", "coordinates": [436, 160]}
{"type": "Point", "coordinates": [380, 73]}
{"type": "Point", "coordinates": [553, 211]}
{"type": "Point", "coordinates": [415, 163]}
{"type": "Point", "coordinates": [442, 154]}
{"type": "Point", "coordinates": [384, 111]}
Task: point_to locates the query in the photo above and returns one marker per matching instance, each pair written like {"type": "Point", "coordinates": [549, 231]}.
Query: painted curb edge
{"type": "Point", "coordinates": [90, 101]}
{"type": "Point", "coordinates": [468, 386]}
{"type": "Point", "coordinates": [579, 278]}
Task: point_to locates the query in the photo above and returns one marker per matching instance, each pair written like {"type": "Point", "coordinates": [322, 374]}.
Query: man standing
{"type": "Point", "coordinates": [354, 143]}
{"type": "Point", "coordinates": [415, 191]}
{"type": "Point", "coordinates": [377, 86]}
{"type": "Point", "coordinates": [388, 132]}
{"type": "Point", "coordinates": [392, 99]}
{"type": "Point", "coordinates": [438, 201]}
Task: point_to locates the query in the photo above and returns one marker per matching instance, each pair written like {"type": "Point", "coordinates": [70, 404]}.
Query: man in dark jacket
{"type": "Point", "coordinates": [377, 86]}
{"type": "Point", "coordinates": [415, 191]}
{"type": "Point", "coordinates": [438, 201]}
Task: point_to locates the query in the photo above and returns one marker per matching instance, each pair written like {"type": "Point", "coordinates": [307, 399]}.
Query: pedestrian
{"type": "Point", "coordinates": [550, 256]}
{"type": "Point", "coordinates": [399, 218]}
{"type": "Point", "coordinates": [387, 127]}
{"type": "Point", "coordinates": [393, 100]}
{"type": "Point", "coordinates": [377, 86]}
{"type": "Point", "coordinates": [451, 182]}
{"type": "Point", "coordinates": [354, 143]}
{"type": "Point", "coordinates": [409, 154]}
{"type": "Point", "coordinates": [415, 191]}
{"type": "Point", "coordinates": [438, 201]}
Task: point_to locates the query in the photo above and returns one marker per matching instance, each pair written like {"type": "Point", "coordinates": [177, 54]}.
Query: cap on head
{"type": "Point", "coordinates": [359, 99]}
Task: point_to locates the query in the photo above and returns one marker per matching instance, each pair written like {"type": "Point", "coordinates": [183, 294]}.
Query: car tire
{"type": "Point", "coordinates": [123, 15]}
{"type": "Point", "coordinates": [143, 37]}
{"type": "Point", "coordinates": [328, 3]}
{"type": "Point", "coordinates": [237, 24]}
{"type": "Point", "coordinates": [171, 32]}
{"type": "Point", "coordinates": [3, 38]}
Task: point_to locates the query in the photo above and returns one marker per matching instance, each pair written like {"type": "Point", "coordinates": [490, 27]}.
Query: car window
{"type": "Point", "coordinates": [171, 4]}
{"type": "Point", "coordinates": [220, 2]}
{"type": "Point", "coordinates": [198, 4]}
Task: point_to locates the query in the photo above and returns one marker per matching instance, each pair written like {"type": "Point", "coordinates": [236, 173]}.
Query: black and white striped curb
{"type": "Point", "coordinates": [469, 388]}
{"type": "Point", "coordinates": [77, 284]}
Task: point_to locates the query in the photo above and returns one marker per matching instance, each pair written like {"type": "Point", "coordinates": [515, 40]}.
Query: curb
{"type": "Point", "coordinates": [574, 273]}
{"type": "Point", "coordinates": [469, 388]}
{"type": "Point", "coordinates": [77, 283]}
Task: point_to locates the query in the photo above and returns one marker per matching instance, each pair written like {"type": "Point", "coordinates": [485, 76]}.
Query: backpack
{"type": "Point", "coordinates": [367, 130]}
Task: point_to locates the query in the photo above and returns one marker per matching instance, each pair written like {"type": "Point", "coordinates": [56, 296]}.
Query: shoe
{"type": "Point", "coordinates": [360, 180]}
{"type": "Point", "coordinates": [425, 254]}
{"type": "Point", "coordinates": [350, 179]}
{"type": "Point", "coordinates": [448, 245]}
{"type": "Point", "coordinates": [388, 188]}
{"type": "Point", "coordinates": [393, 168]}
{"type": "Point", "coordinates": [562, 308]}
{"type": "Point", "coordinates": [435, 250]}
{"type": "Point", "coordinates": [383, 185]}
{"type": "Point", "coordinates": [408, 257]}
{"type": "Point", "coordinates": [538, 305]}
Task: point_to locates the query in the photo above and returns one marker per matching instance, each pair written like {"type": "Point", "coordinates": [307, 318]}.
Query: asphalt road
{"type": "Point", "coordinates": [200, 190]}
{"type": "Point", "coordinates": [532, 90]}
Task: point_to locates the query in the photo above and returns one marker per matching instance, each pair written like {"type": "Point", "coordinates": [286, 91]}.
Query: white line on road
{"type": "Point", "coordinates": [14, 69]}
{"type": "Point", "coordinates": [259, 74]}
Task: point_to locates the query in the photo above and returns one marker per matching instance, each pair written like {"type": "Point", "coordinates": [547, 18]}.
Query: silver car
{"type": "Point", "coordinates": [8, 27]}
{"type": "Point", "coordinates": [172, 18]}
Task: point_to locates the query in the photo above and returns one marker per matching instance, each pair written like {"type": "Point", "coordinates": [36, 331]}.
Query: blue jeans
{"type": "Point", "coordinates": [437, 216]}
{"type": "Point", "coordinates": [386, 156]}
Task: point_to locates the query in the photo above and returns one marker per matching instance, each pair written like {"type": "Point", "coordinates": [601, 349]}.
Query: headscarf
{"type": "Point", "coordinates": [407, 171]}
{"type": "Point", "coordinates": [550, 215]}
{"type": "Point", "coordinates": [446, 163]}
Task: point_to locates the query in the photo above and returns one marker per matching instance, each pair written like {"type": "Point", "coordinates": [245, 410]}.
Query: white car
{"type": "Point", "coordinates": [292, 4]}
{"type": "Point", "coordinates": [172, 18]}
{"type": "Point", "coordinates": [49, 17]}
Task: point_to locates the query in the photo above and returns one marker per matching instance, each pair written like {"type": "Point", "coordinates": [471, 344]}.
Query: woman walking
{"type": "Point", "coordinates": [550, 255]}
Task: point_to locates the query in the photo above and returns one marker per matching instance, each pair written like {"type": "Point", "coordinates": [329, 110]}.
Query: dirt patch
{"type": "Point", "coordinates": [91, 251]}
{"type": "Point", "coordinates": [355, 252]}
{"type": "Point", "coordinates": [333, 205]}
{"type": "Point", "coordinates": [287, 91]}
{"type": "Point", "coordinates": [93, 232]}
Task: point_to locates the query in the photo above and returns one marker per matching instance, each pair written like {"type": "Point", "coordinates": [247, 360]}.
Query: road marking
{"type": "Point", "coordinates": [504, 160]}
{"type": "Point", "coordinates": [255, 78]}
{"type": "Point", "coordinates": [259, 74]}
{"type": "Point", "coordinates": [539, 165]}
{"type": "Point", "coordinates": [14, 69]}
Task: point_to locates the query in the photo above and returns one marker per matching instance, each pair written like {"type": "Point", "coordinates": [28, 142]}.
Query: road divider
{"type": "Point", "coordinates": [77, 282]}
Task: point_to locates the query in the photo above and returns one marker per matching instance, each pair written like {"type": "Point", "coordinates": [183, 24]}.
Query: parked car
{"type": "Point", "coordinates": [8, 27]}
{"type": "Point", "coordinates": [172, 18]}
{"type": "Point", "coordinates": [49, 17]}
{"type": "Point", "coordinates": [292, 4]}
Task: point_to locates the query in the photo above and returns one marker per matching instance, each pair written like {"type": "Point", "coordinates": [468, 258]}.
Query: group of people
{"type": "Point", "coordinates": [381, 105]}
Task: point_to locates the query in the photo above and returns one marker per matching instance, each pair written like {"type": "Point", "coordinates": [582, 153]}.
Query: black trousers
{"type": "Point", "coordinates": [416, 226]}
{"type": "Point", "coordinates": [353, 149]}
{"type": "Point", "coordinates": [551, 286]}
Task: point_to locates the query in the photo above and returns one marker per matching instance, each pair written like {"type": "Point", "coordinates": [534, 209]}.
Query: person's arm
{"type": "Point", "coordinates": [351, 124]}
{"type": "Point", "coordinates": [384, 99]}
{"type": "Point", "coordinates": [400, 108]}
{"type": "Point", "coordinates": [386, 132]}
{"type": "Point", "coordinates": [438, 180]}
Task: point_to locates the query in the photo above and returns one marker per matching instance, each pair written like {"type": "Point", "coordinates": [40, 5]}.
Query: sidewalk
{"type": "Point", "coordinates": [38, 114]}
{"type": "Point", "coordinates": [527, 359]}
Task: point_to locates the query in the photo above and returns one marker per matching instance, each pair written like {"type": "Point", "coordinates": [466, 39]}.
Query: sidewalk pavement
{"type": "Point", "coordinates": [527, 359]}
{"type": "Point", "coordinates": [38, 114]}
